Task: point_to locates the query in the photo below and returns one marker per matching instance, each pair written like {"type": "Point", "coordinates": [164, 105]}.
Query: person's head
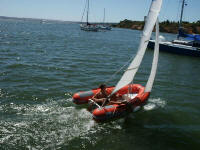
{"type": "Point", "coordinates": [102, 86]}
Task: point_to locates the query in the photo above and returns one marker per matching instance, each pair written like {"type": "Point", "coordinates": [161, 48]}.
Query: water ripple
{"type": "Point", "coordinates": [43, 64]}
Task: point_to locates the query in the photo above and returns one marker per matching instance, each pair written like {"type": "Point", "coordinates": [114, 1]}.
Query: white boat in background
{"type": "Point", "coordinates": [104, 26]}
{"type": "Point", "coordinates": [88, 26]}
{"type": "Point", "coordinates": [185, 44]}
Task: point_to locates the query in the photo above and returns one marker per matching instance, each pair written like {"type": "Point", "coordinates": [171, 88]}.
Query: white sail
{"type": "Point", "coordinates": [133, 67]}
{"type": "Point", "coordinates": [155, 61]}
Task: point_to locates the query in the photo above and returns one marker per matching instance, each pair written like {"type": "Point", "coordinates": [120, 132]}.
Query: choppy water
{"type": "Point", "coordinates": [43, 64]}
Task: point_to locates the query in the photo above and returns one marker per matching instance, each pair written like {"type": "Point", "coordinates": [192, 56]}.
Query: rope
{"type": "Point", "coordinates": [118, 70]}
{"type": "Point", "coordinates": [83, 11]}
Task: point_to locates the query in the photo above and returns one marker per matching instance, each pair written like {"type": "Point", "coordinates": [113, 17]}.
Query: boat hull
{"type": "Point", "coordinates": [105, 28]}
{"type": "Point", "coordinates": [114, 111]}
{"type": "Point", "coordinates": [176, 48]}
{"type": "Point", "coordinates": [89, 28]}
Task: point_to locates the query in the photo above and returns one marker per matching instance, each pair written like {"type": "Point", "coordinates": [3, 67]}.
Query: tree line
{"type": "Point", "coordinates": [165, 26]}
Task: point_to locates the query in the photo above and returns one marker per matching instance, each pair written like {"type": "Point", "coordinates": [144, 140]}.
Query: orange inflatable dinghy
{"type": "Point", "coordinates": [133, 93]}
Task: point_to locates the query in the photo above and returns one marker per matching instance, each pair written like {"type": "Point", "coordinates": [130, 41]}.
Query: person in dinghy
{"type": "Point", "coordinates": [101, 98]}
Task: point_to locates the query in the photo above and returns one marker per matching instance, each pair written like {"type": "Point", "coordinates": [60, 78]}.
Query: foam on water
{"type": "Point", "coordinates": [53, 123]}
{"type": "Point", "coordinates": [154, 103]}
{"type": "Point", "coordinates": [45, 124]}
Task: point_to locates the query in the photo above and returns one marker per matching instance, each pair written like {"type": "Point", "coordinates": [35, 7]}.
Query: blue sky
{"type": "Point", "coordinates": [116, 10]}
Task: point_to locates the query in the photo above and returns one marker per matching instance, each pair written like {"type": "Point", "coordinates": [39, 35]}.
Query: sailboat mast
{"type": "Point", "coordinates": [180, 22]}
{"type": "Point", "coordinates": [87, 11]}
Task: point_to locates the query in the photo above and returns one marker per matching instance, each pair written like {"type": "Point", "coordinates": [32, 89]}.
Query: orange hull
{"type": "Point", "coordinates": [116, 110]}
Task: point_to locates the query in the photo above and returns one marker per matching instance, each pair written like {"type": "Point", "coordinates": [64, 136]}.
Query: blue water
{"type": "Point", "coordinates": [43, 63]}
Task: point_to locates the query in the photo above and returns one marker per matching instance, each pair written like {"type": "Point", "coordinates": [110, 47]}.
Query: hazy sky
{"type": "Point", "coordinates": [116, 10]}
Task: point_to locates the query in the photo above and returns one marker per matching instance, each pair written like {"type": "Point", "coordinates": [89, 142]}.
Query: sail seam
{"type": "Point", "coordinates": [132, 68]}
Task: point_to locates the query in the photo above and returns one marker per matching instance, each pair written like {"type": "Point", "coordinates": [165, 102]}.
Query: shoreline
{"type": "Point", "coordinates": [165, 26]}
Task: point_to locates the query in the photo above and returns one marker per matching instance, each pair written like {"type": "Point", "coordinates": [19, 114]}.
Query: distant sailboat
{"type": "Point", "coordinates": [88, 26]}
{"type": "Point", "coordinates": [135, 95]}
{"type": "Point", "coordinates": [104, 26]}
{"type": "Point", "coordinates": [190, 45]}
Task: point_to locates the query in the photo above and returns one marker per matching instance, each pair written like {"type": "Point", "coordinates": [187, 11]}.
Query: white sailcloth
{"type": "Point", "coordinates": [133, 67]}
{"type": "Point", "coordinates": [155, 61]}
